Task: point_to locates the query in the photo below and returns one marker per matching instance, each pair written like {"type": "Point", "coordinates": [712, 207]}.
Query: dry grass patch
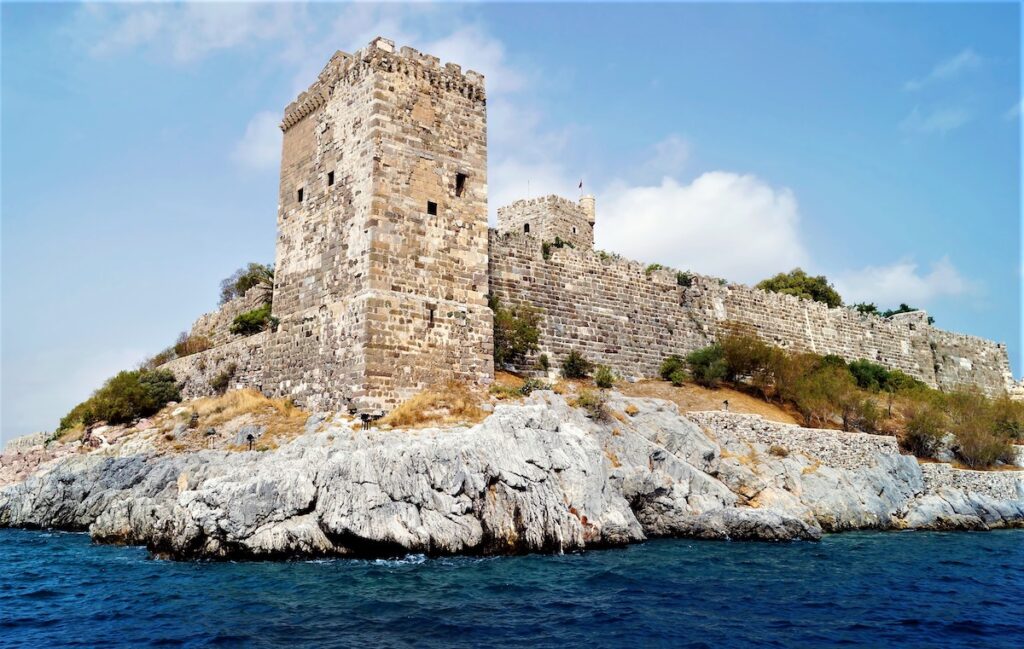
{"type": "Point", "coordinates": [691, 397]}
{"type": "Point", "coordinates": [451, 404]}
{"type": "Point", "coordinates": [632, 410]}
{"type": "Point", "coordinates": [613, 458]}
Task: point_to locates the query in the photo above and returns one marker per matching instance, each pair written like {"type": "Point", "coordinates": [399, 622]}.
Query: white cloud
{"type": "Point", "coordinates": [260, 146]}
{"type": "Point", "coordinates": [940, 120]}
{"type": "Point", "coordinates": [726, 224]}
{"type": "Point", "coordinates": [903, 281]}
{"type": "Point", "coordinates": [964, 61]}
{"type": "Point", "coordinates": [668, 157]}
{"type": "Point", "coordinates": [186, 32]}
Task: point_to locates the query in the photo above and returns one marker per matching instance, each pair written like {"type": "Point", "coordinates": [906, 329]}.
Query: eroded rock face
{"type": "Point", "coordinates": [537, 476]}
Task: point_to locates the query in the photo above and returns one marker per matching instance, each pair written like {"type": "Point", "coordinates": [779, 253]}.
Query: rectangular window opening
{"type": "Point", "coordinates": [431, 208]}
{"type": "Point", "coordinates": [330, 178]}
{"type": "Point", "coordinates": [430, 322]}
{"type": "Point", "coordinates": [460, 184]}
{"type": "Point", "coordinates": [526, 228]}
{"type": "Point", "coordinates": [298, 195]}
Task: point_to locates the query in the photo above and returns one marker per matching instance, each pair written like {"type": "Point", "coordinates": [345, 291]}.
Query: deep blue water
{"type": "Point", "coordinates": [864, 589]}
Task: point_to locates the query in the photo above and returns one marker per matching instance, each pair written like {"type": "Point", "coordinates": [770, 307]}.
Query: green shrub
{"type": "Point", "coordinates": [924, 431]}
{"type": "Point", "coordinates": [188, 345]}
{"type": "Point", "coordinates": [547, 246]}
{"type": "Point", "coordinates": [516, 333]}
{"type": "Point", "coordinates": [603, 377]}
{"type": "Point", "coordinates": [253, 322]}
{"type": "Point", "coordinates": [979, 447]}
{"type": "Point", "coordinates": [651, 268]}
{"type": "Point", "coordinates": [684, 279]}
{"type": "Point", "coordinates": [798, 283]}
{"type": "Point", "coordinates": [544, 363]}
{"type": "Point", "coordinates": [678, 377]}
{"type": "Point", "coordinates": [669, 366]}
{"type": "Point", "coordinates": [575, 366]}
{"type": "Point", "coordinates": [532, 385]}
{"type": "Point", "coordinates": [866, 308]}
{"type": "Point", "coordinates": [707, 366]}
{"type": "Point", "coordinates": [593, 402]}
{"type": "Point", "coordinates": [868, 375]}
{"type": "Point", "coordinates": [222, 380]}
{"type": "Point", "coordinates": [904, 308]}
{"type": "Point", "coordinates": [127, 396]}
{"type": "Point", "coordinates": [745, 354]}
{"type": "Point", "coordinates": [245, 278]}
{"type": "Point", "coordinates": [826, 392]}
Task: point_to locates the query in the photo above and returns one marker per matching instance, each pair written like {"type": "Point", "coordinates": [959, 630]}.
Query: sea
{"type": "Point", "coordinates": [893, 589]}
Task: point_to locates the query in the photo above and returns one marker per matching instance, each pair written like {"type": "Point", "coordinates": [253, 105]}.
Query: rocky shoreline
{"type": "Point", "coordinates": [535, 476]}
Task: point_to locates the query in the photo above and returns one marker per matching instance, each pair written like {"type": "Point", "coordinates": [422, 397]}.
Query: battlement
{"type": "Point", "coordinates": [380, 56]}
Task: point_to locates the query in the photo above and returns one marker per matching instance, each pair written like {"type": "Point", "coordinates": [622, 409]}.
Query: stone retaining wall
{"type": "Point", "coordinates": [247, 355]}
{"type": "Point", "coordinates": [216, 325]}
{"type": "Point", "coordinates": [832, 448]}
{"type": "Point", "coordinates": [1001, 485]}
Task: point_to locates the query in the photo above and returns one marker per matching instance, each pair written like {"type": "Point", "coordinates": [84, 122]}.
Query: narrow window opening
{"type": "Point", "coordinates": [431, 208]}
{"type": "Point", "coordinates": [298, 195]}
{"type": "Point", "coordinates": [330, 178]}
{"type": "Point", "coordinates": [526, 228]}
{"type": "Point", "coordinates": [460, 184]}
{"type": "Point", "coordinates": [430, 322]}
{"type": "Point", "coordinates": [574, 229]}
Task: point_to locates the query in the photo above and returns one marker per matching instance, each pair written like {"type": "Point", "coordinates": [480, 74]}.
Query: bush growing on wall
{"type": "Point", "coordinates": [188, 345]}
{"type": "Point", "coordinates": [516, 333]}
{"type": "Point", "coordinates": [798, 283]}
{"type": "Point", "coordinates": [127, 396]}
{"type": "Point", "coordinates": [253, 322]}
{"type": "Point", "coordinates": [575, 366]}
{"type": "Point", "coordinates": [222, 380]}
{"type": "Point", "coordinates": [245, 278]}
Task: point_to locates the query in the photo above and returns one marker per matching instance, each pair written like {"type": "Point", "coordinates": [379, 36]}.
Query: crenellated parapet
{"type": "Point", "coordinates": [380, 56]}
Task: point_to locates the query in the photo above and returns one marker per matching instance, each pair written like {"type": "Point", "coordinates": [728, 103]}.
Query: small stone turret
{"type": "Point", "coordinates": [551, 217]}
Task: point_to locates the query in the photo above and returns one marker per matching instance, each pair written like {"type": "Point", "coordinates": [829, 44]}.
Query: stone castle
{"type": "Point", "coordinates": [384, 263]}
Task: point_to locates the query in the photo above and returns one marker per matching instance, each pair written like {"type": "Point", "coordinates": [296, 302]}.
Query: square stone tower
{"type": "Point", "coordinates": [381, 263]}
{"type": "Point", "coordinates": [551, 217]}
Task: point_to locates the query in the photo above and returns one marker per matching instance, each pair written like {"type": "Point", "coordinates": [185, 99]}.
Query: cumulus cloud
{"type": "Point", "coordinates": [903, 281]}
{"type": "Point", "coordinates": [964, 61]}
{"type": "Point", "coordinates": [260, 145]}
{"type": "Point", "coordinates": [940, 120]}
{"type": "Point", "coordinates": [727, 224]}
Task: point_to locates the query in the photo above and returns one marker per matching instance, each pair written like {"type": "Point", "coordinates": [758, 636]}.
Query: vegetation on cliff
{"type": "Point", "coordinates": [128, 396]}
{"type": "Point", "coordinates": [827, 391]}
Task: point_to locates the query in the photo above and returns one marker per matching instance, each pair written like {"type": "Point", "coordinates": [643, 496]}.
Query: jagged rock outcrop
{"type": "Point", "coordinates": [537, 476]}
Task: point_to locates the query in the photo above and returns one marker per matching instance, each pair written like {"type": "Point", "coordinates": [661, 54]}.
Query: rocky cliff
{"type": "Point", "coordinates": [534, 476]}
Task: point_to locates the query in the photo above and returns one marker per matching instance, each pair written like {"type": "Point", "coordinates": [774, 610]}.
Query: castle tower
{"type": "Point", "coordinates": [550, 218]}
{"type": "Point", "coordinates": [381, 261]}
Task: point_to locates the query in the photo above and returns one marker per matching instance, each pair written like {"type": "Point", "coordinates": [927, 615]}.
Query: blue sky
{"type": "Point", "coordinates": [878, 144]}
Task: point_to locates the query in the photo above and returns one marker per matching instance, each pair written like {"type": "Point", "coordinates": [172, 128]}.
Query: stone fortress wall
{"type": "Point", "coordinates": [384, 262]}
{"type": "Point", "coordinates": [216, 325]}
{"type": "Point", "coordinates": [622, 314]}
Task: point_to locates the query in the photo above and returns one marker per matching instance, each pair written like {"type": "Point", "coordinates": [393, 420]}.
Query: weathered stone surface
{"type": "Point", "coordinates": [623, 314]}
{"type": "Point", "coordinates": [533, 477]}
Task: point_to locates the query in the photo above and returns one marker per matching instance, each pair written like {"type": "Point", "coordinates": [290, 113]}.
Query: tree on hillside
{"type": "Point", "coordinates": [245, 278]}
{"type": "Point", "coordinates": [798, 283]}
